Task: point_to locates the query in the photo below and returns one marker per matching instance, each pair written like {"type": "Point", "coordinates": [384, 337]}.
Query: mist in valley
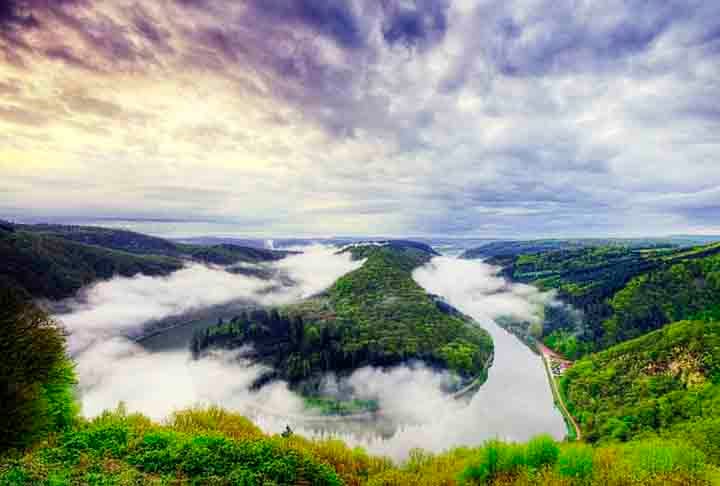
{"type": "Point", "coordinates": [515, 403]}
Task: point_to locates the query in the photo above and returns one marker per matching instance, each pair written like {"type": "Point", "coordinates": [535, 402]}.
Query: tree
{"type": "Point", "coordinates": [36, 377]}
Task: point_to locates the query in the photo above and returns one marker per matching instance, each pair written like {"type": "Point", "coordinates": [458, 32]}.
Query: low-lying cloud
{"type": "Point", "coordinates": [122, 305]}
{"type": "Point", "coordinates": [515, 403]}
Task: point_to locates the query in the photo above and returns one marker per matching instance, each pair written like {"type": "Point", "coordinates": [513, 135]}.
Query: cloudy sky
{"type": "Point", "coordinates": [315, 117]}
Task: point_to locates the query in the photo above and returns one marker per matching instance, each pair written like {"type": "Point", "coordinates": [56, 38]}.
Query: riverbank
{"type": "Point", "coordinates": [573, 429]}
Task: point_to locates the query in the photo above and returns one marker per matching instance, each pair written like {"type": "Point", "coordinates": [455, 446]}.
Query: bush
{"type": "Point", "coordinates": [495, 458]}
{"type": "Point", "coordinates": [576, 461]}
{"type": "Point", "coordinates": [541, 451]}
{"type": "Point", "coordinates": [214, 419]}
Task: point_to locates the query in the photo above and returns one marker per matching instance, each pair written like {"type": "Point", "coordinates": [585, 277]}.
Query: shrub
{"type": "Point", "coordinates": [214, 419]}
{"type": "Point", "coordinates": [495, 458]}
{"type": "Point", "coordinates": [541, 451]}
{"type": "Point", "coordinates": [576, 461]}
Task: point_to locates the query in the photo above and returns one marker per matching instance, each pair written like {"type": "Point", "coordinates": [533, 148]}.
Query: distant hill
{"type": "Point", "coordinates": [138, 243]}
{"type": "Point", "coordinates": [512, 248]}
{"type": "Point", "coordinates": [55, 261]}
{"type": "Point", "coordinates": [376, 315]}
{"type": "Point", "coordinates": [55, 268]}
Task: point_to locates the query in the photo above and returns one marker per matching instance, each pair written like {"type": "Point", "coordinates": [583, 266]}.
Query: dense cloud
{"type": "Point", "coordinates": [467, 117]}
{"type": "Point", "coordinates": [121, 306]}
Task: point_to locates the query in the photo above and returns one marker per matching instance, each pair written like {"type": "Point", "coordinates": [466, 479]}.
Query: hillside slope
{"type": "Point", "coordinates": [621, 292]}
{"type": "Point", "coordinates": [141, 244]}
{"type": "Point", "coordinates": [54, 262]}
{"type": "Point", "coordinates": [54, 268]}
{"type": "Point", "coordinates": [376, 315]}
{"type": "Point", "coordinates": [666, 382]}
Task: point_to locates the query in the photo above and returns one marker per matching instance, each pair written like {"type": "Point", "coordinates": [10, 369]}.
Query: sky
{"type": "Point", "coordinates": [514, 118]}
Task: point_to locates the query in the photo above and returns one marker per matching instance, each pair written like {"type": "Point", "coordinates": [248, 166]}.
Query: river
{"type": "Point", "coordinates": [515, 403]}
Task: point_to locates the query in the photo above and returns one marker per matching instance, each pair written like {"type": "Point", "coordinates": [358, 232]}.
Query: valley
{"type": "Point", "coordinates": [389, 346]}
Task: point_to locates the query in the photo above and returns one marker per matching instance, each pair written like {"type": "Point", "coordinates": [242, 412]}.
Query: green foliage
{"type": "Point", "coordinates": [541, 451]}
{"type": "Point", "coordinates": [116, 446]}
{"type": "Point", "coordinates": [565, 343]}
{"type": "Point", "coordinates": [497, 459]}
{"type": "Point", "coordinates": [576, 462]}
{"type": "Point", "coordinates": [54, 261]}
{"type": "Point", "coordinates": [197, 447]}
{"type": "Point", "coordinates": [334, 406]}
{"type": "Point", "coordinates": [36, 396]}
{"type": "Point", "coordinates": [685, 290]}
{"type": "Point", "coordinates": [376, 315]}
{"type": "Point", "coordinates": [621, 291]}
{"type": "Point", "coordinates": [55, 268]}
{"type": "Point", "coordinates": [666, 382]}
{"type": "Point", "coordinates": [638, 463]}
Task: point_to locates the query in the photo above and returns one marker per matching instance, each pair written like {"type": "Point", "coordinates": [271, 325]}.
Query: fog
{"type": "Point", "coordinates": [121, 306]}
{"type": "Point", "coordinates": [515, 403]}
{"type": "Point", "coordinates": [158, 384]}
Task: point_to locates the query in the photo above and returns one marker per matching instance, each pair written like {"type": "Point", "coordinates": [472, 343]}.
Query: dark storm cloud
{"type": "Point", "coordinates": [23, 14]}
{"type": "Point", "coordinates": [423, 22]}
{"type": "Point", "coordinates": [16, 14]}
{"type": "Point", "coordinates": [336, 20]}
{"type": "Point", "coordinates": [550, 37]}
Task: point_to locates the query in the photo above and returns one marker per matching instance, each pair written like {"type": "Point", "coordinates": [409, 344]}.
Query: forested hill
{"type": "Point", "coordinates": [376, 315]}
{"type": "Point", "coordinates": [508, 249]}
{"type": "Point", "coordinates": [666, 382]}
{"type": "Point", "coordinates": [622, 291]}
{"type": "Point", "coordinates": [138, 243]}
{"type": "Point", "coordinates": [55, 268]}
{"type": "Point", "coordinates": [54, 262]}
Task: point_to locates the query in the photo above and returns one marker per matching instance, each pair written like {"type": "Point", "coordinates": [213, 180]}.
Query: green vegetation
{"type": "Point", "coordinates": [36, 378]}
{"type": "Point", "coordinates": [46, 443]}
{"type": "Point", "coordinates": [138, 243]}
{"type": "Point", "coordinates": [615, 293]}
{"type": "Point", "coordinates": [334, 406]}
{"type": "Point", "coordinates": [666, 382]}
{"type": "Point", "coordinates": [376, 315]}
{"type": "Point", "coordinates": [54, 262]}
{"type": "Point", "coordinates": [117, 448]}
{"type": "Point", "coordinates": [212, 446]}
{"type": "Point", "coordinates": [55, 268]}
{"type": "Point", "coordinates": [688, 289]}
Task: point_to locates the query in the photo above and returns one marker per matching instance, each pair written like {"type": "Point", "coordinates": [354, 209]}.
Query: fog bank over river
{"type": "Point", "coordinates": [515, 403]}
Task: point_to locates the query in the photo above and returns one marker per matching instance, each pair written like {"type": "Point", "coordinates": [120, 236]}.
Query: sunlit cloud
{"type": "Point", "coordinates": [309, 117]}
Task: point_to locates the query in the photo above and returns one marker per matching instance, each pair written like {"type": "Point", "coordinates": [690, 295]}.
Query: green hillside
{"type": "Point", "coordinates": [55, 268]}
{"type": "Point", "coordinates": [138, 243]}
{"type": "Point", "coordinates": [665, 382]}
{"type": "Point", "coordinates": [376, 315]}
{"type": "Point", "coordinates": [54, 262]}
{"type": "Point", "coordinates": [621, 292]}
